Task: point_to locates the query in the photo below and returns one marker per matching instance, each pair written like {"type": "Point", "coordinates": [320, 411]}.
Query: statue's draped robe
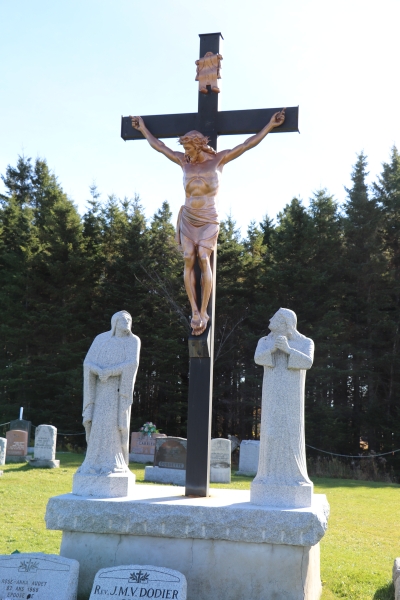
{"type": "Point", "coordinates": [282, 442]}
{"type": "Point", "coordinates": [201, 225]}
{"type": "Point", "coordinates": [108, 405]}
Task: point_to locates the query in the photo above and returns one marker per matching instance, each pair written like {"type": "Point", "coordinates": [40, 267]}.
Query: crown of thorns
{"type": "Point", "coordinates": [198, 140]}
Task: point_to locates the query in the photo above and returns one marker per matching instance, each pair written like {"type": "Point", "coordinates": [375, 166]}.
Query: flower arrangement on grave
{"type": "Point", "coordinates": [149, 428]}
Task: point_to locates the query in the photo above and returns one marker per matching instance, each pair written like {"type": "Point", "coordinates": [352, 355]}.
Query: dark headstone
{"type": "Point", "coordinates": [170, 453]}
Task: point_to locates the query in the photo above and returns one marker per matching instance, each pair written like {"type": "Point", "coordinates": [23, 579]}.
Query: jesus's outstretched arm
{"type": "Point", "coordinates": [176, 157]}
{"type": "Point", "coordinates": [228, 155]}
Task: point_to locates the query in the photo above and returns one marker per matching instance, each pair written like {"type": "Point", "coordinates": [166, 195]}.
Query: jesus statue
{"type": "Point", "coordinates": [198, 223]}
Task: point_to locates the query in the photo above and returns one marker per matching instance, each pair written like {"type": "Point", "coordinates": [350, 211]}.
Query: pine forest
{"type": "Point", "coordinates": [63, 275]}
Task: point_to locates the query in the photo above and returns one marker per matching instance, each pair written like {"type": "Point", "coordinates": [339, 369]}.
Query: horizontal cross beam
{"type": "Point", "coordinates": [229, 122]}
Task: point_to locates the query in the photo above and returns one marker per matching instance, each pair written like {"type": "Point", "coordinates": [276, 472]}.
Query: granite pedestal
{"type": "Point", "coordinates": [226, 547]}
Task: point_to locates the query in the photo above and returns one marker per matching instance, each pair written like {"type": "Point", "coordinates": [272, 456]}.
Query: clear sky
{"type": "Point", "coordinates": [71, 68]}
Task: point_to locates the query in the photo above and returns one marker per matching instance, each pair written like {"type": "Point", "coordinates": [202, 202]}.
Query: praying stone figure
{"type": "Point", "coordinates": [282, 478]}
{"type": "Point", "coordinates": [109, 370]}
{"type": "Point", "coordinates": [198, 223]}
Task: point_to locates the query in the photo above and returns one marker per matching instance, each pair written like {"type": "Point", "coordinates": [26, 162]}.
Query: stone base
{"type": "Point", "coordinates": [41, 463]}
{"type": "Point", "coordinates": [161, 475]}
{"type": "Point", "coordinates": [226, 547]}
{"type": "Point", "coordinates": [213, 568]}
{"type": "Point", "coordinates": [16, 459]}
{"type": "Point", "coordinates": [141, 458]}
{"type": "Point", "coordinates": [115, 485]}
{"type": "Point", "coordinates": [282, 496]}
{"type": "Point", "coordinates": [220, 475]}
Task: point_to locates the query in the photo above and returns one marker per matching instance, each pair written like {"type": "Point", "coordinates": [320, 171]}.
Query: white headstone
{"type": "Point", "coordinates": [220, 461]}
{"type": "Point", "coordinates": [396, 578]}
{"type": "Point", "coordinates": [109, 373]}
{"type": "Point", "coordinates": [248, 457]}
{"type": "Point", "coordinates": [38, 576]}
{"type": "Point", "coordinates": [285, 354]}
{"type": "Point", "coordinates": [3, 448]}
{"type": "Point", "coordinates": [45, 442]}
{"type": "Point", "coordinates": [139, 581]}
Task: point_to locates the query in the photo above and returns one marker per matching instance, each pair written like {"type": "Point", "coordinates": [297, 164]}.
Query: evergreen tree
{"type": "Point", "coordinates": [387, 194]}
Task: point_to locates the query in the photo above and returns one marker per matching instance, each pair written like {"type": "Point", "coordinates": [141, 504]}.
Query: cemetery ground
{"type": "Point", "coordinates": [357, 553]}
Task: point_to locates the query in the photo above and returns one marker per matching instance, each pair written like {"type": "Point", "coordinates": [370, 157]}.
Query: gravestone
{"type": "Point", "coordinates": [38, 576]}
{"type": "Point", "coordinates": [396, 578]}
{"type": "Point", "coordinates": [45, 447]}
{"type": "Point", "coordinates": [3, 448]}
{"type": "Point", "coordinates": [248, 457]}
{"type": "Point", "coordinates": [17, 446]}
{"type": "Point", "coordinates": [220, 461]}
{"type": "Point", "coordinates": [169, 462]}
{"type": "Point", "coordinates": [143, 446]}
{"type": "Point", "coordinates": [139, 581]}
{"type": "Point", "coordinates": [21, 425]}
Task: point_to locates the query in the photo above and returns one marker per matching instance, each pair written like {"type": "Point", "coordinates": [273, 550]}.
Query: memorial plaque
{"type": "Point", "coordinates": [45, 442]}
{"type": "Point", "coordinates": [38, 577]}
{"type": "Point", "coordinates": [170, 453]}
{"type": "Point", "coordinates": [17, 443]}
{"type": "Point", "coordinates": [139, 581]}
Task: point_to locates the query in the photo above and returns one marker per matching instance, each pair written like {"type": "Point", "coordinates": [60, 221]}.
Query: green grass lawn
{"type": "Point", "coordinates": [357, 553]}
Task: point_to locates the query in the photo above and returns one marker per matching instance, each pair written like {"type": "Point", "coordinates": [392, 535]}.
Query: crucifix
{"type": "Point", "coordinates": [198, 225]}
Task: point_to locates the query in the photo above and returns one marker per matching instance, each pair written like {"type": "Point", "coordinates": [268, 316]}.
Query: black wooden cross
{"type": "Point", "coordinates": [212, 123]}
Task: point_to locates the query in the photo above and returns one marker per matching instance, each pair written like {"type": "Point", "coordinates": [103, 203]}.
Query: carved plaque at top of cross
{"type": "Point", "coordinates": [198, 224]}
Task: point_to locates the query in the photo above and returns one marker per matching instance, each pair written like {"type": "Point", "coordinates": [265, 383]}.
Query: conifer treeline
{"type": "Point", "coordinates": [62, 277]}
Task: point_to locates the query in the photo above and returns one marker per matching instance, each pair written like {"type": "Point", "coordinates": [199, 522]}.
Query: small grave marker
{"type": "Point", "coordinates": [220, 461]}
{"type": "Point", "coordinates": [45, 447]}
{"type": "Point", "coordinates": [17, 444]}
{"type": "Point", "coordinates": [139, 581]}
{"type": "Point", "coordinates": [38, 576]}
{"type": "Point", "coordinates": [170, 453]}
{"type": "Point", "coordinates": [3, 448]}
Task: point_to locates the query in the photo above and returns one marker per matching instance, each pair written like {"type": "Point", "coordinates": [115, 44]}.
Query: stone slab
{"type": "Point", "coordinates": [38, 576]}
{"type": "Point", "coordinates": [164, 511]}
{"type": "Point", "coordinates": [162, 475]}
{"type": "Point", "coordinates": [16, 459]}
{"type": "Point", "coordinates": [141, 581]}
{"type": "Point", "coordinates": [45, 442]}
{"type": "Point", "coordinates": [114, 485]}
{"type": "Point", "coordinates": [17, 443]}
{"type": "Point", "coordinates": [44, 464]}
{"type": "Point", "coordinates": [248, 457]}
{"type": "Point", "coordinates": [284, 496]}
{"type": "Point", "coordinates": [3, 448]}
{"type": "Point", "coordinates": [396, 578]}
{"type": "Point", "coordinates": [214, 569]}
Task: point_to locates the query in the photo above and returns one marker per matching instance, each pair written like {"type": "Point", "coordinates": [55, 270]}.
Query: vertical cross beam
{"type": "Point", "coordinates": [201, 348]}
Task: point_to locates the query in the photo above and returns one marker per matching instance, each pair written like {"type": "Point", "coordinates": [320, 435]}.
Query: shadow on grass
{"type": "Point", "coordinates": [385, 593]}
